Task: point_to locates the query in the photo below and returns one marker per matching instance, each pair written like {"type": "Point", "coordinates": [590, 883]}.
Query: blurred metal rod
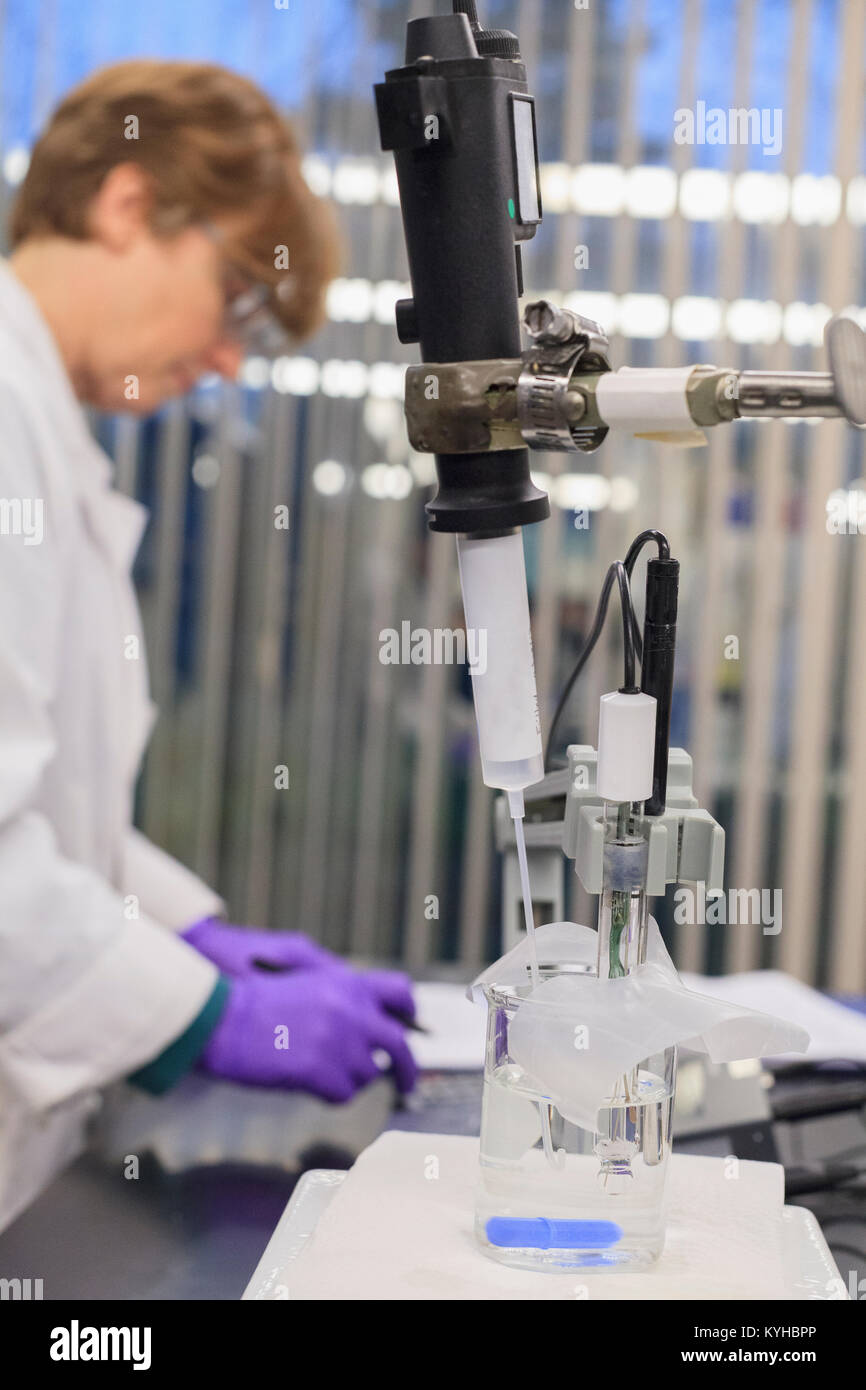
{"type": "Point", "coordinates": [787, 393]}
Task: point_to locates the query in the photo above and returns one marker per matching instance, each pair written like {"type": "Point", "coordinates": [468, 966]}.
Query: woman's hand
{"type": "Point", "coordinates": [309, 1030]}
{"type": "Point", "coordinates": [236, 949]}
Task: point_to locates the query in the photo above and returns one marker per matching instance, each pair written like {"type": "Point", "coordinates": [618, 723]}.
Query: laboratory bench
{"type": "Point", "coordinates": [198, 1232]}
{"type": "Point", "coordinates": [186, 1229]}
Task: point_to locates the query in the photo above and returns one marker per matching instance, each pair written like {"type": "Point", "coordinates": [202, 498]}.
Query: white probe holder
{"type": "Point", "coordinates": [565, 815]}
{"type": "Point", "coordinates": [685, 843]}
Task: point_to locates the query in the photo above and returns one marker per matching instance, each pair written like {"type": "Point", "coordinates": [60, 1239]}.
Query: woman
{"type": "Point", "coordinates": [163, 226]}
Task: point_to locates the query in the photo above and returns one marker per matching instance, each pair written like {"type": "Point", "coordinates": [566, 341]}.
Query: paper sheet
{"type": "Point", "coordinates": [835, 1030]}
{"type": "Point", "coordinates": [456, 1040]}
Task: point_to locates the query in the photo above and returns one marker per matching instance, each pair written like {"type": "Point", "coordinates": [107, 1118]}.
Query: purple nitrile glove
{"type": "Point", "coordinates": [308, 1030]}
{"type": "Point", "coordinates": [234, 949]}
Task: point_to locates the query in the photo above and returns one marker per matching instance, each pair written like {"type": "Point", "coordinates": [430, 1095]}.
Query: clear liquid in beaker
{"type": "Point", "coordinates": [604, 1205]}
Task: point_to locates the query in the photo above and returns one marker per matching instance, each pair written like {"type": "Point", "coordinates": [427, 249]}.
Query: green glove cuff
{"type": "Point", "coordinates": [179, 1057]}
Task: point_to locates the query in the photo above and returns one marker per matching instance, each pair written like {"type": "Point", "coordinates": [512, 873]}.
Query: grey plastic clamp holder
{"type": "Point", "coordinates": [685, 844]}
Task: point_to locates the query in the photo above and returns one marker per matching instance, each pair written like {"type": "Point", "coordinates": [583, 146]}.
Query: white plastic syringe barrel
{"type": "Point", "coordinates": [496, 607]}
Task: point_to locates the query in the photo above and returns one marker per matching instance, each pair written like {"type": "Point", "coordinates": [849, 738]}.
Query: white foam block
{"type": "Point", "coordinates": [401, 1227]}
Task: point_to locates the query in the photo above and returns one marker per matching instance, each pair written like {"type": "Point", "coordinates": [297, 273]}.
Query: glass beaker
{"type": "Point", "coordinates": [579, 1198]}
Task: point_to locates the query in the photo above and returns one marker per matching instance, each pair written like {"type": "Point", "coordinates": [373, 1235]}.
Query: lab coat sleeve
{"type": "Point", "coordinates": [88, 991]}
{"type": "Point", "coordinates": [165, 888]}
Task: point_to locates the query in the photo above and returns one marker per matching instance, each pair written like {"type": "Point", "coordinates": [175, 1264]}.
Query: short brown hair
{"type": "Point", "coordinates": [211, 143]}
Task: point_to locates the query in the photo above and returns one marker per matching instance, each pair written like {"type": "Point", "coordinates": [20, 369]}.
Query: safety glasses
{"type": "Point", "coordinates": [249, 318]}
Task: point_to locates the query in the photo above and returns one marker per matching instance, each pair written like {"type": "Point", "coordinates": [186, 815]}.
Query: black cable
{"type": "Point", "coordinates": [616, 571]}
{"type": "Point", "coordinates": [628, 686]}
{"type": "Point", "coordinates": [467, 7]}
{"type": "Point", "coordinates": [631, 630]}
{"type": "Point", "coordinates": [630, 561]}
{"type": "Point", "coordinates": [638, 544]}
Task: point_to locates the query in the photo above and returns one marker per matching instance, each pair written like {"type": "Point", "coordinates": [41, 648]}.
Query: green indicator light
{"type": "Point", "coordinates": [511, 207]}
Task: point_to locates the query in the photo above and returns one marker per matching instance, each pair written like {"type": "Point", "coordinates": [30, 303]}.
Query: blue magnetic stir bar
{"type": "Point", "coordinates": [537, 1233]}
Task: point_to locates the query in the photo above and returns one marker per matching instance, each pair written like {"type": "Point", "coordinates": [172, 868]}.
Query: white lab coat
{"type": "Point", "coordinates": [89, 991]}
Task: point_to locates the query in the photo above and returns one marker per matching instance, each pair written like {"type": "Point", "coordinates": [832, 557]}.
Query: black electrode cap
{"type": "Point", "coordinates": [406, 317]}
{"type": "Point", "coordinates": [497, 43]}
{"type": "Point", "coordinates": [662, 586]}
{"type": "Point", "coordinates": [439, 36]}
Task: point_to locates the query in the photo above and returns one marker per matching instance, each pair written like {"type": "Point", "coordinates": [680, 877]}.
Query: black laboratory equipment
{"type": "Point", "coordinates": [461, 124]}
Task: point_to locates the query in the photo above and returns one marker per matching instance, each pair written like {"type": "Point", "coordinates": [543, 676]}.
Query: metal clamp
{"type": "Point", "coordinates": [463, 407]}
{"type": "Point", "coordinates": [546, 399]}
{"type": "Point", "coordinates": [562, 344]}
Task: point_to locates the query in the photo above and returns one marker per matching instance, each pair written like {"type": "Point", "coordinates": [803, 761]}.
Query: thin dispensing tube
{"type": "Point", "coordinates": [556, 1158]}
{"type": "Point", "coordinates": [496, 607]}
{"type": "Point", "coordinates": [516, 807]}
